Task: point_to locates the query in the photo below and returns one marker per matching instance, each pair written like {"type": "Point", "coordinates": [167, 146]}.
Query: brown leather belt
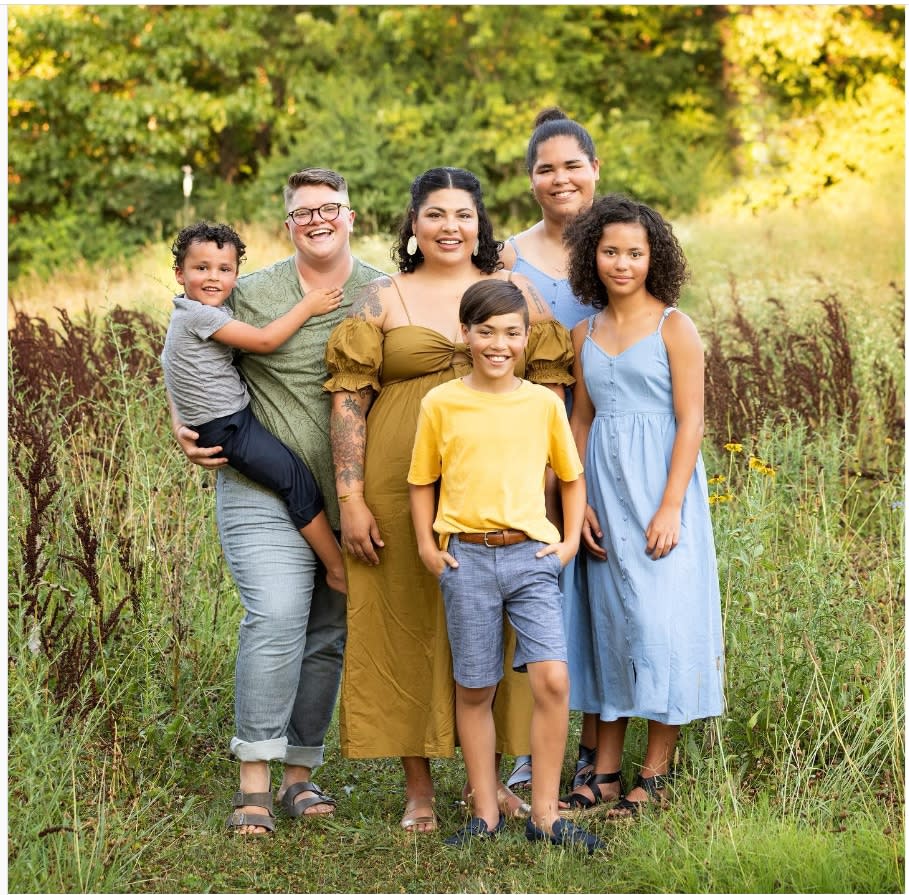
{"type": "Point", "coordinates": [504, 537]}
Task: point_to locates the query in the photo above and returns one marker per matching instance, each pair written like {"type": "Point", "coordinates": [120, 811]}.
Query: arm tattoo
{"type": "Point", "coordinates": [537, 299]}
{"type": "Point", "coordinates": [367, 303]}
{"type": "Point", "coordinates": [348, 437]}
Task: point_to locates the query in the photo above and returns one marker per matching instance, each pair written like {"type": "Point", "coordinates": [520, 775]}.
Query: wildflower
{"type": "Point", "coordinates": [719, 498]}
{"type": "Point", "coordinates": [733, 447]}
{"type": "Point", "coordinates": [716, 479]}
{"type": "Point", "coordinates": [767, 470]}
{"type": "Point", "coordinates": [755, 463]}
{"type": "Point", "coordinates": [888, 440]}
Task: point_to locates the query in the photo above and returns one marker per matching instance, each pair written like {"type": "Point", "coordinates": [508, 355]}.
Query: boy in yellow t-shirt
{"type": "Point", "coordinates": [490, 437]}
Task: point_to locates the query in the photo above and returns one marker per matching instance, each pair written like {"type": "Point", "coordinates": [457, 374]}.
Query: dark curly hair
{"type": "Point", "coordinates": [553, 122]}
{"type": "Point", "coordinates": [202, 231]}
{"type": "Point", "coordinates": [668, 268]}
{"type": "Point", "coordinates": [487, 257]}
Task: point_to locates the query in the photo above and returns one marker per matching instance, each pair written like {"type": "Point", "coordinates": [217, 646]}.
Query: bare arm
{"type": "Point", "coordinates": [265, 339]}
{"type": "Point", "coordinates": [574, 502]}
{"type": "Point", "coordinates": [186, 438]}
{"type": "Point", "coordinates": [686, 366]}
{"type": "Point", "coordinates": [359, 532]}
{"type": "Point", "coordinates": [582, 412]}
{"type": "Point", "coordinates": [423, 510]}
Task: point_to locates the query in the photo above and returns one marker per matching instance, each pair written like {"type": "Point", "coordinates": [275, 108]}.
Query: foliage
{"type": "Point", "coordinates": [98, 136]}
{"type": "Point", "coordinates": [118, 776]}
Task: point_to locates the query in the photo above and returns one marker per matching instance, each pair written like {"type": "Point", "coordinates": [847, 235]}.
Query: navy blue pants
{"type": "Point", "coordinates": [251, 449]}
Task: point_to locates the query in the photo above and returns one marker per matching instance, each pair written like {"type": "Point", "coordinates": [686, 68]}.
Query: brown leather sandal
{"type": "Point", "coordinates": [239, 818]}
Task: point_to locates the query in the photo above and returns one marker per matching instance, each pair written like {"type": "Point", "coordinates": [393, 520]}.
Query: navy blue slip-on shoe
{"type": "Point", "coordinates": [565, 833]}
{"type": "Point", "coordinates": [476, 828]}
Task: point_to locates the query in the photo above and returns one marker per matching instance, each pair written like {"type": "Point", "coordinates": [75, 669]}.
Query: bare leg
{"type": "Point", "coordinates": [548, 734]}
{"type": "Point", "coordinates": [322, 539]}
{"type": "Point", "coordinates": [610, 745]}
{"type": "Point", "coordinates": [661, 740]}
{"type": "Point", "coordinates": [419, 810]}
{"type": "Point", "coordinates": [589, 731]}
{"type": "Point", "coordinates": [477, 733]}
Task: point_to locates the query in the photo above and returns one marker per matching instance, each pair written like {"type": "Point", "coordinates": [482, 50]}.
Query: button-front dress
{"type": "Point", "coordinates": [655, 626]}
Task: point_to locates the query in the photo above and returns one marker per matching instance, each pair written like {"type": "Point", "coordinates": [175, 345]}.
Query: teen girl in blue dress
{"type": "Point", "coordinates": [638, 418]}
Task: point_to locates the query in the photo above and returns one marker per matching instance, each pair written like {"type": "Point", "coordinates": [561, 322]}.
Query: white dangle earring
{"type": "Point", "coordinates": [476, 249]}
{"type": "Point", "coordinates": [412, 246]}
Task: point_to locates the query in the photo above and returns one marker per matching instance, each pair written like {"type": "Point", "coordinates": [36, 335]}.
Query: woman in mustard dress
{"type": "Point", "coordinates": [401, 340]}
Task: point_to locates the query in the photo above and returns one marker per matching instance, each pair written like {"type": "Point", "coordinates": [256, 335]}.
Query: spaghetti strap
{"type": "Point", "coordinates": [401, 298]}
{"type": "Point", "coordinates": [666, 313]}
{"type": "Point", "coordinates": [510, 272]}
{"type": "Point", "coordinates": [590, 320]}
{"type": "Point", "coordinates": [514, 246]}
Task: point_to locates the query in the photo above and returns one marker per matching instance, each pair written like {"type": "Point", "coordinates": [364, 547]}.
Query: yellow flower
{"type": "Point", "coordinates": [888, 440]}
{"type": "Point", "coordinates": [716, 479]}
{"type": "Point", "coordinates": [755, 463]}
{"type": "Point", "coordinates": [719, 498]}
{"type": "Point", "coordinates": [767, 470]}
{"type": "Point", "coordinates": [733, 447]}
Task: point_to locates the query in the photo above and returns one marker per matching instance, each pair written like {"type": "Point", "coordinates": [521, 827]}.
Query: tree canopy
{"type": "Point", "coordinates": [685, 103]}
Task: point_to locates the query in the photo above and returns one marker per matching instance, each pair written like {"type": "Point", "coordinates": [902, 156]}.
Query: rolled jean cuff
{"type": "Point", "coordinates": [305, 756]}
{"type": "Point", "coordinates": [263, 750]}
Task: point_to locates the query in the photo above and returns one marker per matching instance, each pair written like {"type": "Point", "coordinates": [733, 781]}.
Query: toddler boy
{"type": "Point", "coordinates": [208, 394]}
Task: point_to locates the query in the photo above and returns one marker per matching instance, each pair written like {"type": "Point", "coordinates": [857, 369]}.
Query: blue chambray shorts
{"type": "Point", "coordinates": [487, 580]}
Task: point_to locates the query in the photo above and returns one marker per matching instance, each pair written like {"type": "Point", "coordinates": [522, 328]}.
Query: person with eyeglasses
{"type": "Point", "coordinates": [292, 636]}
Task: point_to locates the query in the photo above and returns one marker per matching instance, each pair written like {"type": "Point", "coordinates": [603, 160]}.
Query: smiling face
{"type": "Point", "coordinates": [447, 226]}
{"type": "Point", "coordinates": [208, 273]}
{"type": "Point", "coordinates": [495, 345]}
{"type": "Point", "coordinates": [563, 178]}
{"type": "Point", "coordinates": [320, 241]}
{"type": "Point", "coordinates": [623, 259]}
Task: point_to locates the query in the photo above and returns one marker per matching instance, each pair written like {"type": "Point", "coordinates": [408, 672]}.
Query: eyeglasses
{"type": "Point", "coordinates": [327, 212]}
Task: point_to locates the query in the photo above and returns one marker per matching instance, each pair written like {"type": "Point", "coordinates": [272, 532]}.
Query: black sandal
{"type": "Point", "coordinates": [654, 786]}
{"type": "Point", "coordinates": [578, 802]}
{"type": "Point", "coordinates": [583, 768]}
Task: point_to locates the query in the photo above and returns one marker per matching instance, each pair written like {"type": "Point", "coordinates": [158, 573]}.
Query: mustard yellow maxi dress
{"type": "Point", "coordinates": [397, 690]}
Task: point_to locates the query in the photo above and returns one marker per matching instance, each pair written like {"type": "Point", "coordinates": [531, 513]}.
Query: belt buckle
{"type": "Point", "coordinates": [486, 534]}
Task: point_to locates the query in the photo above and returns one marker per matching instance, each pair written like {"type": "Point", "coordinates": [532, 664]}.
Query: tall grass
{"type": "Point", "coordinates": [122, 624]}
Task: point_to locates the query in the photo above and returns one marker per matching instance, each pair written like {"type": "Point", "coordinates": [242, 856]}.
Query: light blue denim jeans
{"type": "Point", "coordinates": [292, 636]}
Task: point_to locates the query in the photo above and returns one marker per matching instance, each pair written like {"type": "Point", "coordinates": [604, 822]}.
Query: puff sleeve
{"type": "Point", "coordinates": [353, 356]}
{"type": "Point", "coordinates": [549, 354]}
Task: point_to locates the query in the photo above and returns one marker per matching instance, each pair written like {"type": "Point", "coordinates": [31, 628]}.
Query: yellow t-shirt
{"type": "Point", "coordinates": [491, 451]}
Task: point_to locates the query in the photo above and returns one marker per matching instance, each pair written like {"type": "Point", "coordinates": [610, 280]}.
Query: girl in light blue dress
{"type": "Point", "coordinates": [638, 417]}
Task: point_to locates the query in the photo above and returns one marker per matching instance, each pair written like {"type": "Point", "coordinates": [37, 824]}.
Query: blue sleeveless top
{"type": "Point", "coordinates": [556, 293]}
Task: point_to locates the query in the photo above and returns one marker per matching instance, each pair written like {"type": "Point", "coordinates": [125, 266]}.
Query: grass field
{"type": "Point", "coordinates": [122, 617]}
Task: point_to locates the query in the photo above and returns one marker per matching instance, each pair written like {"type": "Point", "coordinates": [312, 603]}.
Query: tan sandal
{"type": "Point", "coordinates": [421, 817]}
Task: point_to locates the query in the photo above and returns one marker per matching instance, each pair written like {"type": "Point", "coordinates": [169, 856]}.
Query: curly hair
{"type": "Point", "coordinates": [553, 122]}
{"type": "Point", "coordinates": [668, 269]}
{"type": "Point", "coordinates": [487, 257]}
{"type": "Point", "coordinates": [202, 231]}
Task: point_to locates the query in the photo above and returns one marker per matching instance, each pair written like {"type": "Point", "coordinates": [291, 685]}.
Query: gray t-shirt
{"type": "Point", "coordinates": [198, 371]}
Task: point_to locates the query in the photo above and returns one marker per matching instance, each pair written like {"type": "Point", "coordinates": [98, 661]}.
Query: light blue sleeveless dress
{"type": "Point", "coordinates": [556, 292]}
{"type": "Point", "coordinates": [655, 626]}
